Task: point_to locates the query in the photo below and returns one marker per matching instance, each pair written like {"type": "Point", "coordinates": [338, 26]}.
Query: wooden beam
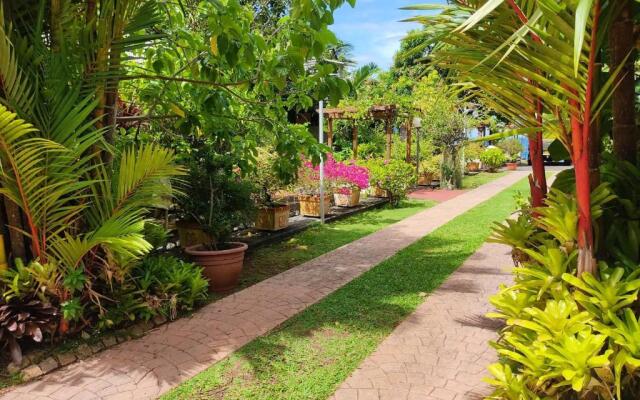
{"type": "Point", "coordinates": [409, 127]}
{"type": "Point", "coordinates": [354, 138]}
{"type": "Point", "coordinates": [387, 127]}
{"type": "Point", "coordinates": [330, 133]}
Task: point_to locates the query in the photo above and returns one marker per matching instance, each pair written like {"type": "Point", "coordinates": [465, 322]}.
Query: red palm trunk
{"type": "Point", "coordinates": [580, 143]}
{"type": "Point", "coordinates": [538, 179]}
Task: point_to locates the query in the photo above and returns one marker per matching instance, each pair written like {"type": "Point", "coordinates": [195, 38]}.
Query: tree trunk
{"type": "Point", "coordinates": [14, 221]}
{"type": "Point", "coordinates": [580, 146]}
{"type": "Point", "coordinates": [538, 178]}
{"type": "Point", "coordinates": [621, 43]}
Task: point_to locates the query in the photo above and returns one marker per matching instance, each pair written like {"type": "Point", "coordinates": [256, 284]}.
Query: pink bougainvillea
{"type": "Point", "coordinates": [343, 177]}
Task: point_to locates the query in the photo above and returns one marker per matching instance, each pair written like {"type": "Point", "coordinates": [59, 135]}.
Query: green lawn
{"type": "Point", "coordinates": [312, 353]}
{"type": "Point", "coordinates": [320, 239]}
{"type": "Point", "coordinates": [473, 181]}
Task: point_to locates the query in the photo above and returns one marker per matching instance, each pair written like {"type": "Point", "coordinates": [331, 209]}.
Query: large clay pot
{"type": "Point", "coordinates": [310, 205]}
{"type": "Point", "coordinates": [221, 267]}
{"type": "Point", "coordinates": [350, 199]}
{"type": "Point", "coordinates": [473, 166]}
{"type": "Point", "coordinates": [380, 192]}
{"type": "Point", "coordinates": [191, 234]}
{"type": "Point", "coordinates": [511, 166]}
{"type": "Point", "coordinates": [425, 179]}
{"type": "Point", "coordinates": [273, 218]}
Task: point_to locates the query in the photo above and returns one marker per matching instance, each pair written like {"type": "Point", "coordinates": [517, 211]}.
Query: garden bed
{"type": "Point", "coordinates": [268, 258]}
{"type": "Point", "coordinates": [256, 238]}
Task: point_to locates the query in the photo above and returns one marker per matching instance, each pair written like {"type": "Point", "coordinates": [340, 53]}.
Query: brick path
{"type": "Point", "coordinates": [441, 351]}
{"type": "Point", "coordinates": [149, 366]}
{"type": "Point", "coordinates": [438, 195]}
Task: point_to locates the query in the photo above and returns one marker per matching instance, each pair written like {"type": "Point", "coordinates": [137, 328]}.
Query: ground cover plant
{"type": "Point", "coordinates": [312, 353]}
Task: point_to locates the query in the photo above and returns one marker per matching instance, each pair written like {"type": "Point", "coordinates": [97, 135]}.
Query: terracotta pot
{"type": "Point", "coordinates": [425, 179]}
{"type": "Point", "coordinates": [380, 192]}
{"type": "Point", "coordinates": [347, 200]}
{"type": "Point", "coordinates": [273, 218]}
{"type": "Point", "coordinates": [191, 234]}
{"type": "Point", "coordinates": [310, 205]}
{"type": "Point", "coordinates": [221, 267]}
{"type": "Point", "coordinates": [511, 166]}
{"type": "Point", "coordinates": [473, 166]}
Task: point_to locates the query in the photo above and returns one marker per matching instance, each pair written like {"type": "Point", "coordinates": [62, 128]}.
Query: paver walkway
{"type": "Point", "coordinates": [441, 351]}
{"type": "Point", "coordinates": [438, 195]}
{"type": "Point", "coordinates": [149, 366]}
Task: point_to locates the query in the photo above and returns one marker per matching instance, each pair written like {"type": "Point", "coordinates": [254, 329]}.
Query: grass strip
{"type": "Point", "coordinates": [474, 181]}
{"type": "Point", "coordinates": [320, 239]}
{"type": "Point", "coordinates": [308, 356]}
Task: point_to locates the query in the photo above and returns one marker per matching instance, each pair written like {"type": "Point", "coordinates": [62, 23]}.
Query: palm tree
{"type": "Point", "coordinates": [533, 58]}
{"type": "Point", "coordinates": [81, 213]}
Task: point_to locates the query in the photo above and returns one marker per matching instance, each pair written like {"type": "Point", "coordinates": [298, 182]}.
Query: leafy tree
{"type": "Point", "coordinates": [232, 82]}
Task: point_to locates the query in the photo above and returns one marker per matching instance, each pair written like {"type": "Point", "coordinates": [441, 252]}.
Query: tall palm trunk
{"type": "Point", "coordinates": [537, 179]}
{"type": "Point", "coordinates": [621, 44]}
{"type": "Point", "coordinates": [580, 150]}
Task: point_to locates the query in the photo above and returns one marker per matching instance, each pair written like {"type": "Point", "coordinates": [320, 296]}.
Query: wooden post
{"type": "Point", "coordinates": [14, 220]}
{"type": "Point", "coordinates": [354, 138]}
{"type": "Point", "coordinates": [409, 127]}
{"type": "Point", "coordinates": [387, 127]}
{"type": "Point", "coordinates": [330, 133]}
{"type": "Point", "coordinates": [621, 43]}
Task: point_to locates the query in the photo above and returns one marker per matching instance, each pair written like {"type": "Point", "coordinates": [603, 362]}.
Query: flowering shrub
{"type": "Point", "coordinates": [394, 176]}
{"type": "Point", "coordinates": [342, 177]}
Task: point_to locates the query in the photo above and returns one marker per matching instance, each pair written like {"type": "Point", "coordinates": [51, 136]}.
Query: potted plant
{"type": "Point", "coordinates": [218, 201]}
{"type": "Point", "coordinates": [472, 152]}
{"type": "Point", "coordinates": [512, 149]}
{"type": "Point", "coordinates": [493, 158]}
{"type": "Point", "coordinates": [272, 215]}
{"type": "Point", "coordinates": [347, 180]}
{"type": "Point", "coordinates": [394, 177]}
{"type": "Point", "coordinates": [512, 162]}
{"type": "Point", "coordinates": [429, 170]}
{"type": "Point", "coordinates": [308, 187]}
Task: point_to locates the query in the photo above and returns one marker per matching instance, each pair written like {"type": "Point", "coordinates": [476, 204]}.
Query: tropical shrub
{"type": "Point", "coordinates": [432, 165]}
{"type": "Point", "coordinates": [511, 147]}
{"type": "Point", "coordinates": [156, 234]}
{"type": "Point", "coordinates": [565, 336]}
{"type": "Point", "coordinates": [85, 218]}
{"type": "Point", "coordinates": [25, 318]}
{"type": "Point", "coordinates": [169, 285]}
{"type": "Point", "coordinates": [493, 158]}
{"type": "Point", "coordinates": [472, 151]}
{"type": "Point", "coordinates": [219, 199]}
{"type": "Point", "coordinates": [266, 177]}
{"type": "Point", "coordinates": [394, 176]}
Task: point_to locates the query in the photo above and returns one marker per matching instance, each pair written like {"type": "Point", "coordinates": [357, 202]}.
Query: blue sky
{"type": "Point", "coordinates": [374, 29]}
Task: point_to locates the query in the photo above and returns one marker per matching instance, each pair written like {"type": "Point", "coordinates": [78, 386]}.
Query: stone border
{"type": "Point", "coordinates": [41, 362]}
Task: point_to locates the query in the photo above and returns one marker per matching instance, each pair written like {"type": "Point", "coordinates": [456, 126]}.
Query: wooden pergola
{"type": "Point", "coordinates": [386, 113]}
